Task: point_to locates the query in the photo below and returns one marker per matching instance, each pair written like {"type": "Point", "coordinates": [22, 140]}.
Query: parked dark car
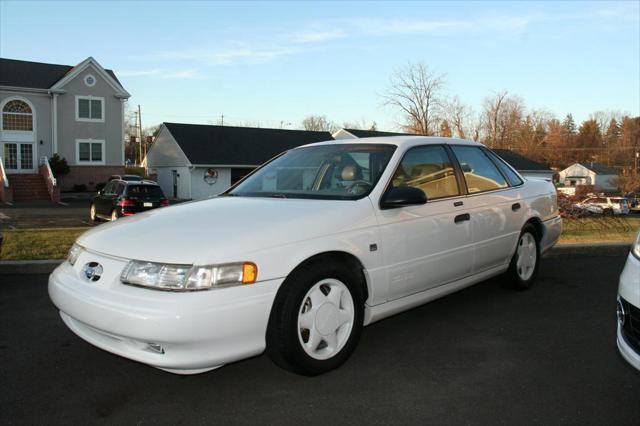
{"type": "Point", "coordinates": [125, 198]}
{"type": "Point", "coordinates": [125, 177]}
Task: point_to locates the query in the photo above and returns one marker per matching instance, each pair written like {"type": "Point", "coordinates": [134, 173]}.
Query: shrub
{"type": "Point", "coordinates": [59, 166]}
{"type": "Point", "coordinates": [100, 186]}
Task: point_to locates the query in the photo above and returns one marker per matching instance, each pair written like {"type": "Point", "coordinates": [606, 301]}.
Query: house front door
{"type": "Point", "coordinates": [19, 157]}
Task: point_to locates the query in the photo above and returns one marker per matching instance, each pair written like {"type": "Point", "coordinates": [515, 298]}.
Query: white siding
{"type": "Point", "coordinates": [537, 174]}
{"type": "Point", "coordinates": [165, 152]}
{"type": "Point", "coordinates": [200, 189]}
{"type": "Point", "coordinates": [165, 180]}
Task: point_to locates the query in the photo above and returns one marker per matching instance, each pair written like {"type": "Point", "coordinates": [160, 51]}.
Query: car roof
{"type": "Point", "coordinates": [401, 141]}
{"type": "Point", "coordinates": [136, 182]}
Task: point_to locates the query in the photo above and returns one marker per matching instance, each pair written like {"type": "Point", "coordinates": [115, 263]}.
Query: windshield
{"type": "Point", "coordinates": [344, 171]}
{"type": "Point", "coordinates": [151, 191]}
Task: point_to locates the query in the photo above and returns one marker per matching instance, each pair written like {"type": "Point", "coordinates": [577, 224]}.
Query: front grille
{"type": "Point", "coordinates": [631, 327]}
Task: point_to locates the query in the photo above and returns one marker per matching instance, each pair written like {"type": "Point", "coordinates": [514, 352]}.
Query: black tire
{"type": "Point", "coordinates": [607, 212]}
{"type": "Point", "coordinates": [515, 276]}
{"type": "Point", "coordinates": [283, 342]}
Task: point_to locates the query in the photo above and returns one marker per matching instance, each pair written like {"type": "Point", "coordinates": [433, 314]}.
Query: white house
{"type": "Point", "coordinates": [525, 166]}
{"type": "Point", "coordinates": [358, 133]}
{"type": "Point", "coordinates": [195, 161]}
{"type": "Point", "coordinates": [602, 177]}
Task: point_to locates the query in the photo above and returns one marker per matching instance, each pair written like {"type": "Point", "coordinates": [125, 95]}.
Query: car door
{"type": "Point", "coordinates": [428, 245]}
{"type": "Point", "coordinates": [103, 206]}
{"type": "Point", "coordinates": [495, 206]}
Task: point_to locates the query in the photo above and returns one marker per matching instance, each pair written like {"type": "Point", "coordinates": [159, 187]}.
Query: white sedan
{"type": "Point", "coordinates": [305, 251]}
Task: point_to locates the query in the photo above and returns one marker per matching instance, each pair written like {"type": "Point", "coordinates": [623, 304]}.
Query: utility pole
{"type": "Point", "coordinates": [140, 134]}
{"type": "Point", "coordinates": [222, 119]}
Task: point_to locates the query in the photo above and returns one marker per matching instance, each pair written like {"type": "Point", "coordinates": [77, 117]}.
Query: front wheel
{"type": "Point", "coordinates": [524, 265]}
{"type": "Point", "coordinates": [316, 319]}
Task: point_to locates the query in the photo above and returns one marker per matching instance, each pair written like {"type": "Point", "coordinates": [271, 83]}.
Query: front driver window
{"type": "Point", "coordinates": [429, 169]}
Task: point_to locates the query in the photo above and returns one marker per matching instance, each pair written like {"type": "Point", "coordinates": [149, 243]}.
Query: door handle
{"type": "Point", "coordinates": [458, 204]}
{"type": "Point", "coordinates": [515, 207]}
{"type": "Point", "coordinates": [462, 218]}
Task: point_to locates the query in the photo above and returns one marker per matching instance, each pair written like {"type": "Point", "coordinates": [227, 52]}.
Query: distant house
{"type": "Point", "coordinates": [525, 166]}
{"type": "Point", "coordinates": [602, 177]}
{"type": "Point", "coordinates": [194, 161]}
{"type": "Point", "coordinates": [357, 133]}
{"type": "Point", "coordinates": [74, 111]}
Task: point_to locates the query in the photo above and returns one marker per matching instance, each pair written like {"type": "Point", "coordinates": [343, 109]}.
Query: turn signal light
{"type": "Point", "coordinates": [249, 273]}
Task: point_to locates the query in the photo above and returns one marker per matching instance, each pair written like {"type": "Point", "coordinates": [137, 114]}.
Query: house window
{"type": "Point", "coordinates": [89, 151]}
{"type": "Point", "coordinates": [17, 115]}
{"type": "Point", "coordinates": [89, 108]}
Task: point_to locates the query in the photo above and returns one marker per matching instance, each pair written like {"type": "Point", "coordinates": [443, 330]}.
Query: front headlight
{"type": "Point", "coordinates": [186, 277]}
{"type": "Point", "coordinates": [635, 249]}
{"type": "Point", "coordinates": [74, 252]}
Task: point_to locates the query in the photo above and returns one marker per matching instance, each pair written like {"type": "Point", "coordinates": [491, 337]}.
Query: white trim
{"type": "Point", "coordinates": [88, 76]}
{"type": "Point", "coordinates": [90, 163]}
{"type": "Point", "coordinates": [30, 90]}
{"type": "Point", "coordinates": [90, 98]}
{"type": "Point", "coordinates": [54, 126]}
{"type": "Point", "coordinates": [78, 69]}
{"type": "Point", "coordinates": [122, 141]}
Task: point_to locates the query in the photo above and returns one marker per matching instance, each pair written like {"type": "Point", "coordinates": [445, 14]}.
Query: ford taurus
{"type": "Point", "coordinates": [301, 254]}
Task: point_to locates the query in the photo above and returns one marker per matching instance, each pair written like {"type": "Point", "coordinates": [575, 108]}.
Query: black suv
{"type": "Point", "coordinates": [125, 198]}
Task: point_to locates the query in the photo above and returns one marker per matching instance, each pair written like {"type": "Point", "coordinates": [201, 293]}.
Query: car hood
{"type": "Point", "coordinates": [224, 229]}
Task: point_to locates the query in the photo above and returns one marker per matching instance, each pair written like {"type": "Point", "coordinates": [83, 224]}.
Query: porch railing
{"type": "Point", "coordinates": [52, 183]}
{"type": "Point", "coordinates": [44, 161]}
{"type": "Point", "coordinates": [5, 181]}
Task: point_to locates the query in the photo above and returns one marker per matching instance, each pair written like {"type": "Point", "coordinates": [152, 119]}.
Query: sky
{"type": "Point", "coordinates": [271, 64]}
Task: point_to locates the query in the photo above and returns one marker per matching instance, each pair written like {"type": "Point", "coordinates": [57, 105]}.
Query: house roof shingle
{"type": "Point", "coordinates": [600, 169]}
{"type": "Point", "coordinates": [36, 75]}
{"type": "Point", "coordinates": [228, 145]}
{"type": "Point", "coordinates": [374, 133]}
{"type": "Point", "coordinates": [520, 162]}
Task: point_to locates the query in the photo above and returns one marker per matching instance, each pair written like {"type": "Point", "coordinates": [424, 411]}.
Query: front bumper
{"type": "Point", "coordinates": [629, 292]}
{"type": "Point", "coordinates": [190, 332]}
{"type": "Point", "coordinates": [627, 352]}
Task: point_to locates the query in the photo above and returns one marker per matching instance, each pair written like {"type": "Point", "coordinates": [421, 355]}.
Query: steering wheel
{"type": "Point", "coordinates": [353, 187]}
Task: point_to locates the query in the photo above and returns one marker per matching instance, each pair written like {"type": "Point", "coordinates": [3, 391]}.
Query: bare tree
{"type": "Point", "coordinates": [360, 125]}
{"type": "Point", "coordinates": [318, 123]}
{"type": "Point", "coordinates": [502, 115]}
{"type": "Point", "coordinates": [418, 93]}
{"type": "Point", "coordinates": [460, 118]}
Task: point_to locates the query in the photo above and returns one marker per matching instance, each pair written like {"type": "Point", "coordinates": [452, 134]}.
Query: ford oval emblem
{"type": "Point", "coordinates": [93, 271]}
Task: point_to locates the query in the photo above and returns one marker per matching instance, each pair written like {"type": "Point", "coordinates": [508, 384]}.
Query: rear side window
{"type": "Point", "coordinates": [429, 169]}
{"type": "Point", "coordinates": [513, 177]}
{"type": "Point", "coordinates": [152, 191]}
{"type": "Point", "coordinates": [479, 171]}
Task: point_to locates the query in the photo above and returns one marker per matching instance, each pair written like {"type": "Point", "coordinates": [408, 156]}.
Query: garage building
{"type": "Point", "coordinates": [195, 161]}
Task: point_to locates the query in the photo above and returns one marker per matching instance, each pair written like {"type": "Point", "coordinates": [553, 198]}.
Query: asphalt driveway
{"type": "Point", "coordinates": [486, 355]}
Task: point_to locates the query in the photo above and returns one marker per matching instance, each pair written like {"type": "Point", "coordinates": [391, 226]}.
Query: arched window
{"type": "Point", "coordinates": [17, 115]}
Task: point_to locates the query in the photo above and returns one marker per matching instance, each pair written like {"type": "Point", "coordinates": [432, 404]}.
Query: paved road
{"type": "Point", "coordinates": [486, 355]}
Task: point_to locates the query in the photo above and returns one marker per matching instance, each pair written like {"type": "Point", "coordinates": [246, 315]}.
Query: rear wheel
{"type": "Point", "coordinates": [525, 262]}
{"type": "Point", "coordinates": [316, 319]}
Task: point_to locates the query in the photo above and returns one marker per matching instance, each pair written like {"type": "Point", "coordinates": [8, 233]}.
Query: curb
{"type": "Point", "coordinates": [26, 267]}
{"type": "Point", "coordinates": [591, 250]}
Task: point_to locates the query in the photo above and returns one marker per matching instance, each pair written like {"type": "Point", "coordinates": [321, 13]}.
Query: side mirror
{"type": "Point", "coordinates": [402, 196]}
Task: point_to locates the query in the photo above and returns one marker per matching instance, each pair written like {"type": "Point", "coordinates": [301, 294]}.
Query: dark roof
{"type": "Point", "coordinates": [34, 74]}
{"type": "Point", "coordinates": [520, 162]}
{"type": "Point", "coordinates": [600, 169]}
{"type": "Point", "coordinates": [374, 133]}
{"type": "Point", "coordinates": [207, 144]}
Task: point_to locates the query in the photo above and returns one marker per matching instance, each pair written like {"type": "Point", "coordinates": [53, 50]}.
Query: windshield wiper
{"type": "Point", "coordinates": [277, 195]}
